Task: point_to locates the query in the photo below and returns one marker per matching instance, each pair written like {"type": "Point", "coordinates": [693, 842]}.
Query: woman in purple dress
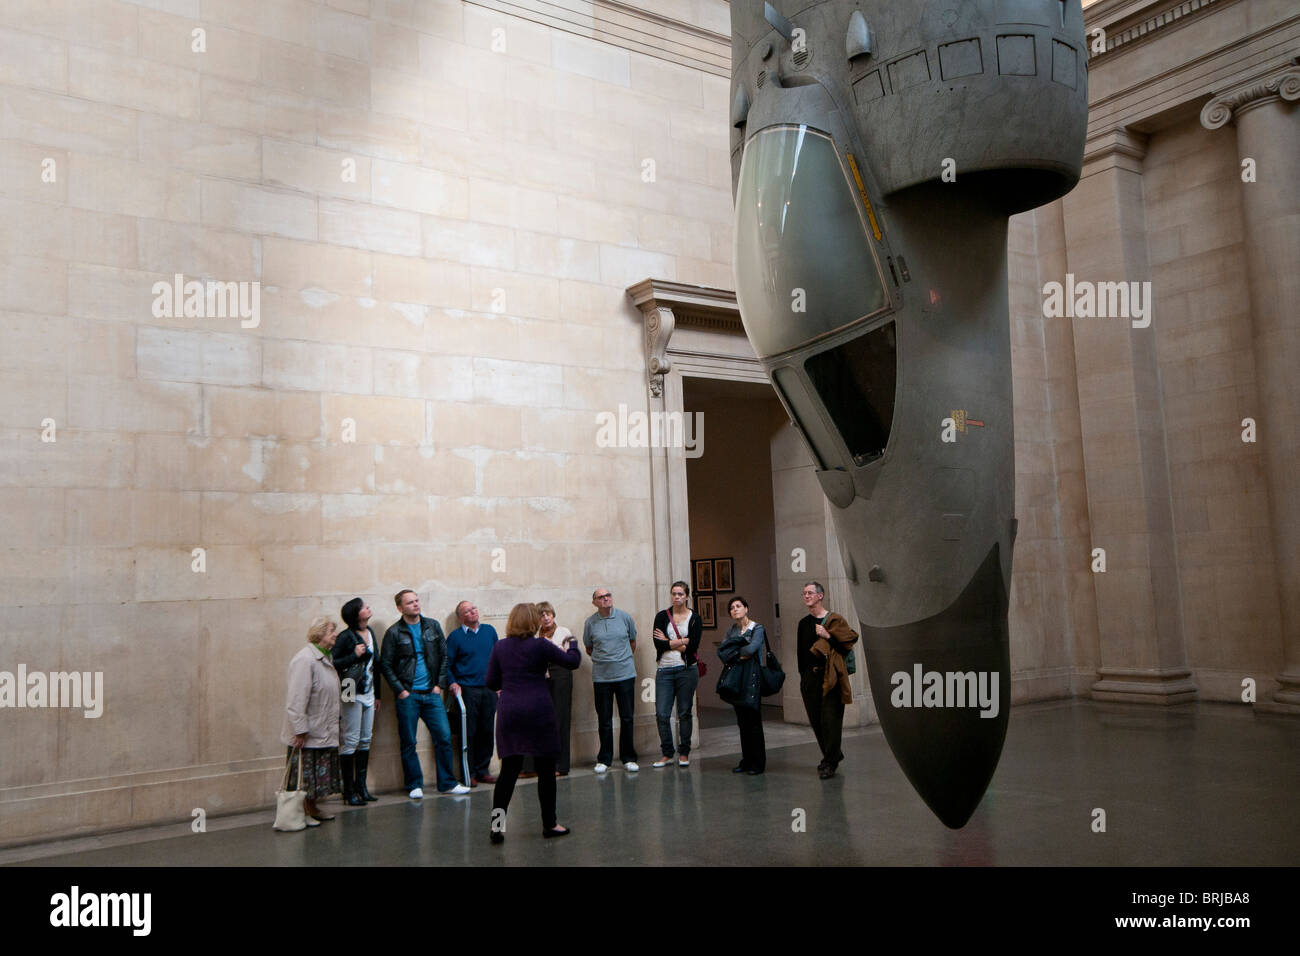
{"type": "Point", "coordinates": [525, 715]}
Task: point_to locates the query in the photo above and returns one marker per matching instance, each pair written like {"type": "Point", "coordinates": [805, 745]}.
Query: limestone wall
{"type": "Point", "coordinates": [443, 206]}
{"type": "Point", "coordinates": [1207, 370]}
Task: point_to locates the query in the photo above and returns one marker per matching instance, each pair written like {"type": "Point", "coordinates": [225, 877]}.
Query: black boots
{"type": "Point", "coordinates": [363, 760]}
{"type": "Point", "coordinates": [355, 793]}
{"type": "Point", "coordinates": [351, 796]}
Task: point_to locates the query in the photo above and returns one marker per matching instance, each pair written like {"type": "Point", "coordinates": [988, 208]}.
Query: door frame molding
{"type": "Point", "coordinates": [689, 330]}
{"type": "Point", "coordinates": [696, 331]}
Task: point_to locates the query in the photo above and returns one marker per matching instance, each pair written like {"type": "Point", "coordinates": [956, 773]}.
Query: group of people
{"type": "Point", "coordinates": [824, 652]}
{"type": "Point", "coordinates": [518, 693]}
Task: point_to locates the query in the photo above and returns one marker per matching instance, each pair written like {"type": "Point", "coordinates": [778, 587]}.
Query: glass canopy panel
{"type": "Point", "coordinates": [857, 382]}
{"type": "Point", "coordinates": [804, 265]}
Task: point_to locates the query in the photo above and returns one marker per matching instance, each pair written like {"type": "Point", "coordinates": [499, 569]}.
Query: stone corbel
{"type": "Point", "coordinates": [659, 325]}
{"type": "Point", "coordinates": [664, 305]}
{"type": "Point", "coordinates": [1220, 110]}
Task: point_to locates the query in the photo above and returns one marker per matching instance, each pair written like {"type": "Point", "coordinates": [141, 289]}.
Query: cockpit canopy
{"type": "Point", "coordinates": [804, 262]}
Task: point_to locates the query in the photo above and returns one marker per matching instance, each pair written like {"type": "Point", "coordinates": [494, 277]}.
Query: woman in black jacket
{"type": "Point", "coordinates": [740, 650]}
{"type": "Point", "coordinates": [677, 632]}
{"type": "Point", "coordinates": [354, 658]}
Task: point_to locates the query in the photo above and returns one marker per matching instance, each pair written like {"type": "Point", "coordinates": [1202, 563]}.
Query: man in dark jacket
{"type": "Point", "coordinates": [413, 660]}
{"type": "Point", "coordinates": [824, 641]}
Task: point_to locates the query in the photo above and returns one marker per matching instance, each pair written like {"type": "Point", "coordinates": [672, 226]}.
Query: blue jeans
{"type": "Point", "coordinates": [426, 706]}
{"type": "Point", "coordinates": [680, 683]}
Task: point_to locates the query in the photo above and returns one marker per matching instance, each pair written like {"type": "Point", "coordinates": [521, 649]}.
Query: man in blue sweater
{"type": "Point", "coordinates": [468, 650]}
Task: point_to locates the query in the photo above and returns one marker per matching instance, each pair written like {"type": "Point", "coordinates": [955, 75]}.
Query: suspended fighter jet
{"type": "Point", "coordinates": [878, 149]}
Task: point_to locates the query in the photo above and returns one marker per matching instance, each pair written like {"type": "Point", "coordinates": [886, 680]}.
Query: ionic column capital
{"type": "Point", "coordinates": [1220, 111]}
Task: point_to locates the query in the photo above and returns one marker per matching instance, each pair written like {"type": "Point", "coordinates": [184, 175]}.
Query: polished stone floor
{"type": "Point", "coordinates": [1197, 784]}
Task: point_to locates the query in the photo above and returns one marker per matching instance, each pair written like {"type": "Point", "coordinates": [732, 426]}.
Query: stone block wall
{"type": "Point", "coordinates": [443, 206]}
{"type": "Point", "coordinates": [1226, 566]}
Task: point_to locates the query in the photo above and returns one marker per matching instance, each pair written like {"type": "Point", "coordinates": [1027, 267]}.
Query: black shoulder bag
{"type": "Point", "coordinates": [771, 675]}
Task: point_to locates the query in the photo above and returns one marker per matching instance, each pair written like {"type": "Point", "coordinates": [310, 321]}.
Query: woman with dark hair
{"type": "Point", "coordinates": [354, 659]}
{"type": "Point", "coordinates": [741, 647]}
{"type": "Point", "coordinates": [311, 720]}
{"type": "Point", "coordinates": [525, 714]}
{"type": "Point", "coordinates": [677, 633]}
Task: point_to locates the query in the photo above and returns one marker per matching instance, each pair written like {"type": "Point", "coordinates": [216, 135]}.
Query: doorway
{"type": "Point", "coordinates": [753, 495]}
{"type": "Point", "coordinates": [731, 513]}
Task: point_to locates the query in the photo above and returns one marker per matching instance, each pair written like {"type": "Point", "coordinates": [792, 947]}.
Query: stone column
{"type": "Point", "coordinates": [1074, 523]}
{"type": "Point", "coordinates": [1268, 134]}
{"type": "Point", "coordinates": [1143, 657]}
{"type": "Point", "coordinates": [661, 304]}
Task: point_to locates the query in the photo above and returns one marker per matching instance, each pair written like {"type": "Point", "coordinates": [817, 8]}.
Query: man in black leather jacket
{"type": "Point", "coordinates": [413, 660]}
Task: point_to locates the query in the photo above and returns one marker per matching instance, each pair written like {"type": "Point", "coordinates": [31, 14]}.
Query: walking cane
{"type": "Point", "coordinates": [464, 737]}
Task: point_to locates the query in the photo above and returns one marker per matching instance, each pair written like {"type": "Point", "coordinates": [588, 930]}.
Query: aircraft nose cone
{"type": "Point", "coordinates": [943, 693]}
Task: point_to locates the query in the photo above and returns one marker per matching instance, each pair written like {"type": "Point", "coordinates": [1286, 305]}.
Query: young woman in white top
{"type": "Point", "coordinates": [677, 632]}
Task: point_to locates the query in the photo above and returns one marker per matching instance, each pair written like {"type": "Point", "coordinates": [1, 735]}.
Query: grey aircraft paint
{"type": "Point", "coordinates": [878, 149]}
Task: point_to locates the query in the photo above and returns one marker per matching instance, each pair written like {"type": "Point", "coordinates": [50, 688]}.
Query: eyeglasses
{"type": "Point", "coordinates": [603, 597]}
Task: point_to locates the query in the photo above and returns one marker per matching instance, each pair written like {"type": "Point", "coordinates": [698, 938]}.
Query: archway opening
{"type": "Point", "coordinates": [732, 517]}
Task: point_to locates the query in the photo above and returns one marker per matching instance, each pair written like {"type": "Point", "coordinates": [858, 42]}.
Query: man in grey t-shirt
{"type": "Point", "coordinates": [610, 638]}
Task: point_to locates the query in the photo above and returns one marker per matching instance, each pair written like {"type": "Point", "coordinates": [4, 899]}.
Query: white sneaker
{"type": "Point", "coordinates": [601, 768]}
{"type": "Point", "coordinates": [631, 766]}
{"type": "Point", "coordinates": [662, 762]}
{"type": "Point", "coordinates": [457, 790]}
{"type": "Point", "coordinates": [416, 794]}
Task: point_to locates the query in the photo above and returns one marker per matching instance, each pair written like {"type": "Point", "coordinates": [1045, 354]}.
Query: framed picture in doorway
{"type": "Point", "coordinates": [708, 614]}
{"type": "Point", "coordinates": [722, 575]}
{"type": "Point", "coordinates": [703, 575]}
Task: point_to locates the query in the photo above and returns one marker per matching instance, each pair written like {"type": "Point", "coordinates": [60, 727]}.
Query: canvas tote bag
{"type": "Point", "coordinates": [289, 814]}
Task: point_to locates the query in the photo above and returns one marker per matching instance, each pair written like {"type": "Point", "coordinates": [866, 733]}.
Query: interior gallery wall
{"type": "Point", "coordinates": [307, 300]}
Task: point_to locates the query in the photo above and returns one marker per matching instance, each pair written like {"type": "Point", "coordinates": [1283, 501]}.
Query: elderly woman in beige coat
{"type": "Point", "coordinates": [311, 719]}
